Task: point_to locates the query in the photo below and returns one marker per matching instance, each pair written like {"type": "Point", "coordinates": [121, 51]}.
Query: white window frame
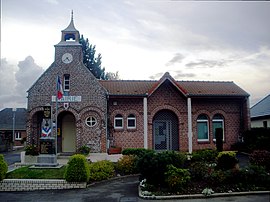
{"type": "Point", "coordinates": [131, 117]}
{"type": "Point", "coordinates": [118, 119]}
{"type": "Point", "coordinates": [66, 82]}
{"type": "Point", "coordinates": [207, 123]}
{"type": "Point", "coordinates": [90, 120]}
{"type": "Point", "coordinates": [18, 136]}
{"type": "Point", "coordinates": [218, 120]}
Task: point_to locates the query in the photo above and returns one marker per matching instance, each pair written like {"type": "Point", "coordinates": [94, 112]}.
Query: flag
{"type": "Point", "coordinates": [59, 88]}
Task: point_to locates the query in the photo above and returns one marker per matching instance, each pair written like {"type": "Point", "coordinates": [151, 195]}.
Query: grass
{"type": "Point", "coordinates": [40, 173]}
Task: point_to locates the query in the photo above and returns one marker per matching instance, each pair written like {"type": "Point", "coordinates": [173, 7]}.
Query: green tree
{"type": "Point", "coordinates": [92, 62]}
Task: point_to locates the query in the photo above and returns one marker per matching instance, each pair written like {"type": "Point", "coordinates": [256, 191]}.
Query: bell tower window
{"type": "Point", "coordinates": [66, 82]}
{"type": "Point", "coordinates": [70, 37]}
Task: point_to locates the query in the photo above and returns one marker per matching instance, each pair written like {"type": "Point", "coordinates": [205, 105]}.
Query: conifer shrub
{"type": "Point", "coordinates": [77, 169]}
{"type": "Point", "coordinates": [205, 155]}
{"type": "Point", "coordinates": [3, 167]}
{"type": "Point", "coordinates": [226, 160]}
{"type": "Point", "coordinates": [139, 152]}
{"type": "Point", "coordinates": [101, 170]}
{"type": "Point", "coordinates": [126, 165]}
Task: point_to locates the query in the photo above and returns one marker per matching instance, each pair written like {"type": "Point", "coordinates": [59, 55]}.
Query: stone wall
{"type": "Point", "coordinates": [39, 184]}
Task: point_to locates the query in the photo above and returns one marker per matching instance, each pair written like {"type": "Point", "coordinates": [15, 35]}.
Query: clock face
{"type": "Point", "coordinates": [67, 58]}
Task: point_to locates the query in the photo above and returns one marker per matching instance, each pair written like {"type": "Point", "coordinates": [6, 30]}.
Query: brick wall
{"type": "Point", "coordinates": [39, 184]}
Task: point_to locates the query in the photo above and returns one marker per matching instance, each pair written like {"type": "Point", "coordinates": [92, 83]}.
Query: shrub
{"type": "Point", "coordinates": [152, 166]}
{"type": "Point", "coordinates": [199, 170]}
{"type": "Point", "coordinates": [126, 165]}
{"type": "Point", "coordinates": [77, 169]}
{"type": "Point", "coordinates": [176, 178]}
{"type": "Point", "coordinates": [85, 150]}
{"type": "Point", "coordinates": [226, 160]}
{"type": "Point", "coordinates": [257, 139]}
{"type": "Point", "coordinates": [3, 167]}
{"type": "Point", "coordinates": [205, 155]}
{"type": "Point", "coordinates": [101, 170]}
{"type": "Point", "coordinates": [139, 152]}
{"type": "Point", "coordinates": [260, 158]}
{"type": "Point", "coordinates": [31, 150]}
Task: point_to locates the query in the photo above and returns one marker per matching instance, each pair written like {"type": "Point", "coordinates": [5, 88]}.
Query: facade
{"type": "Point", "coordinates": [260, 113]}
{"type": "Point", "coordinates": [12, 127]}
{"type": "Point", "coordinates": [160, 115]}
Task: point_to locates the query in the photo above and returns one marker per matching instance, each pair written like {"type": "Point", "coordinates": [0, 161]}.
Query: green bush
{"type": "Point", "coordinates": [77, 169]}
{"type": "Point", "coordinates": [176, 178]}
{"type": "Point", "coordinates": [199, 170]}
{"type": "Point", "coordinates": [31, 150]}
{"type": "Point", "coordinates": [3, 167]}
{"type": "Point", "coordinates": [226, 160]}
{"type": "Point", "coordinates": [205, 155]}
{"type": "Point", "coordinates": [85, 150]}
{"type": "Point", "coordinates": [139, 152]}
{"type": "Point", "coordinates": [257, 139]}
{"type": "Point", "coordinates": [101, 170]}
{"type": "Point", "coordinates": [152, 165]}
{"type": "Point", "coordinates": [126, 165]}
{"type": "Point", "coordinates": [260, 158]}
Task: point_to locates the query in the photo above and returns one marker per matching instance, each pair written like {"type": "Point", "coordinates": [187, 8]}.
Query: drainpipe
{"type": "Point", "coordinates": [189, 126]}
{"type": "Point", "coordinates": [145, 122]}
{"type": "Point", "coordinates": [106, 121]}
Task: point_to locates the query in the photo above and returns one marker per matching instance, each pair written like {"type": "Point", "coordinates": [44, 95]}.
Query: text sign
{"type": "Point", "coordinates": [47, 146]}
{"type": "Point", "coordinates": [68, 99]}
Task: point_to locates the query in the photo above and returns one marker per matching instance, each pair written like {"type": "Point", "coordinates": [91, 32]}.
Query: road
{"type": "Point", "coordinates": [124, 190]}
{"type": "Point", "coordinates": [11, 158]}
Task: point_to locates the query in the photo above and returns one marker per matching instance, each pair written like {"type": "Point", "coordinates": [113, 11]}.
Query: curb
{"type": "Point", "coordinates": [200, 196]}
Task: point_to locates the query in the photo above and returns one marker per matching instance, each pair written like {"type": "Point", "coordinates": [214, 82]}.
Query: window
{"type": "Point", "coordinates": [18, 136]}
{"type": "Point", "coordinates": [202, 128]}
{"type": "Point", "coordinates": [265, 124]}
{"type": "Point", "coordinates": [131, 121]}
{"type": "Point", "coordinates": [218, 122]}
{"type": "Point", "coordinates": [66, 82]}
{"type": "Point", "coordinates": [118, 121]}
{"type": "Point", "coordinates": [91, 121]}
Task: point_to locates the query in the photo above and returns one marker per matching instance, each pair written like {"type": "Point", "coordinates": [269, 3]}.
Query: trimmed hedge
{"type": "Point", "coordinates": [101, 170]}
{"type": "Point", "coordinates": [77, 169]}
{"type": "Point", "coordinates": [3, 167]}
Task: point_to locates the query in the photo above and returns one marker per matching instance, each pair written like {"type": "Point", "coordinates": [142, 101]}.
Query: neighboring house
{"type": "Point", "coordinates": [260, 113]}
{"type": "Point", "coordinates": [7, 127]}
{"type": "Point", "coordinates": [162, 115]}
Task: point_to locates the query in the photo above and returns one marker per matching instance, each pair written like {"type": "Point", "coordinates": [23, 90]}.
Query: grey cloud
{"type": "Point", "coordinates": [207, 63]}
{"type": "Point", "coordinates": [177, 58]}
{"type": "Point", "coordinates": [156, 76]}
{"type": "Point", "coordinates": [180, 75]}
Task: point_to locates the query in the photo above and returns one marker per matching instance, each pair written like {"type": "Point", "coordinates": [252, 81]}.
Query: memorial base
{"type": "Point", "coordinates": [47, 160]}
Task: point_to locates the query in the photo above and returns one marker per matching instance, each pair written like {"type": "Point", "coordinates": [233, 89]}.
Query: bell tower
{"type": "Point", "coordinates": [69, 49]}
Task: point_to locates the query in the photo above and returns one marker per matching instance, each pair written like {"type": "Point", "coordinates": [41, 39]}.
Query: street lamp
{"type": "Point", "coordinates": [13, 126]}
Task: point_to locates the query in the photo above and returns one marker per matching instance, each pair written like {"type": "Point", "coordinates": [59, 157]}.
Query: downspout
{"type": "Point", "coordinates": [189, 125]}
{"type": "Point", "coordinates": [106, 121]}
{"type": "Point", "coordinates": [145, 122]}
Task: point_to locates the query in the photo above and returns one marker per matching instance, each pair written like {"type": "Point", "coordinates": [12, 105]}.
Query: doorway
{"type": "Point", "coordinates": [68, 133]}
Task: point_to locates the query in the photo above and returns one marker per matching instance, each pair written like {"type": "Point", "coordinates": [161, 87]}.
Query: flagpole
{"type": "Point", "coordinates": [56, 112]}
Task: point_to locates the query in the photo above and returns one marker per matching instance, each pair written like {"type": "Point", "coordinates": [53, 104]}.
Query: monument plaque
{"type": "Point", "coordinates": [47, 146]}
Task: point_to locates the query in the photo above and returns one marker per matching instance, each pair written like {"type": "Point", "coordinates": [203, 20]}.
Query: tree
{"type": "Point", "coordinates": [112, 76]}
{"type": "Point", "coordinates": [92, 62]}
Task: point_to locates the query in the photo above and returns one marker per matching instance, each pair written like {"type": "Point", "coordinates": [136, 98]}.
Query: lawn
{"type": "Point", "coordinates": [36, 173]}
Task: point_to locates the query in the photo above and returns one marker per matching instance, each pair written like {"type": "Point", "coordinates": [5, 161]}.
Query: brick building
{"type": "Point", "coordinates": [160, 115]}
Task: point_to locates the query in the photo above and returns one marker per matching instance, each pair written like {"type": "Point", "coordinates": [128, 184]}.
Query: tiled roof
{"type": "Point", "coordinates": [192, 88]}
{"type": "Point", "coordinates": [6, 119]}
{"type": "Point", "coordinates": [262, 108]}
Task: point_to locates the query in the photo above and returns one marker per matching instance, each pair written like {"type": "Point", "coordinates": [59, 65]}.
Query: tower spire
{"type": "Point", "coordinates": [72, 15]}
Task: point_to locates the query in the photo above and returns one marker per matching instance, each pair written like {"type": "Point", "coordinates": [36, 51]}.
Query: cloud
{"type": "Point", "coordinates": [202, 63]}
{"type": "Point", "coordinates": [16, 80]}
{"type": "Point", "coordinates": [180, 75]}
{"type": "Point", "coordinates": [177, 58]}
{"type": "Point", "coordinates": [156, 76]}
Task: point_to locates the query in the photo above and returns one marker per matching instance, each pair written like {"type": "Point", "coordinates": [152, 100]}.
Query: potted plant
{"type": "Point", "coordinates": [31, 153]}
{"type": "Point", "coordinates": [114, 150]}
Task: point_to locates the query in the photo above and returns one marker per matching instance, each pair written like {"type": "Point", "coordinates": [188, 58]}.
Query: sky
{"type": "Point", "coordinates": [141, 39]}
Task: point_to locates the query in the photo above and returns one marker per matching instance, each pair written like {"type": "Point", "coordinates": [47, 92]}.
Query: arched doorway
{"type": "Point", "coordinates": [165, 131]}
{"type": "Point", "coordinates": [68, 132]}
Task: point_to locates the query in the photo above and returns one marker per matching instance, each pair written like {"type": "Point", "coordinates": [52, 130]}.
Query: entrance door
{"type": "Point", "coordinates": [163, 135]}
{"type": "Point", "coordinates": [68, 133]}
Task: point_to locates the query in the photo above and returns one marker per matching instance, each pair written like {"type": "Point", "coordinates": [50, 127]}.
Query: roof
{"type": "Point", "coordinates": [187, 88]}
{"type": "Point", "coordinates": [262, 108]}
{"type": "Point", "coordinates": [71, 27]}
{"type": "Point", "coordinates": [6, 119]}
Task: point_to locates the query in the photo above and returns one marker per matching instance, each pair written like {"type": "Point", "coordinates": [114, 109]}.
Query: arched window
{"type": "Point", "coordinates": [118, 121]}
{"type": "Point", "coordinates": [91, 121]}
{"type": "Point", "coordinates": [217, 122]}
{"type": "Point", "coordinates": [131, 121]}
{"type": "Point", "coordinates": [202, 128]}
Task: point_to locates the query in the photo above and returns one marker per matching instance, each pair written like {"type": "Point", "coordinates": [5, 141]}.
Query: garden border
{"type": "Point", "coordinates": [200, 196]}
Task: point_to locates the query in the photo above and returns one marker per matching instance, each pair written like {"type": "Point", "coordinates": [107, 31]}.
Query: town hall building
{"type": "Point", "coordinates": [162, 114]}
